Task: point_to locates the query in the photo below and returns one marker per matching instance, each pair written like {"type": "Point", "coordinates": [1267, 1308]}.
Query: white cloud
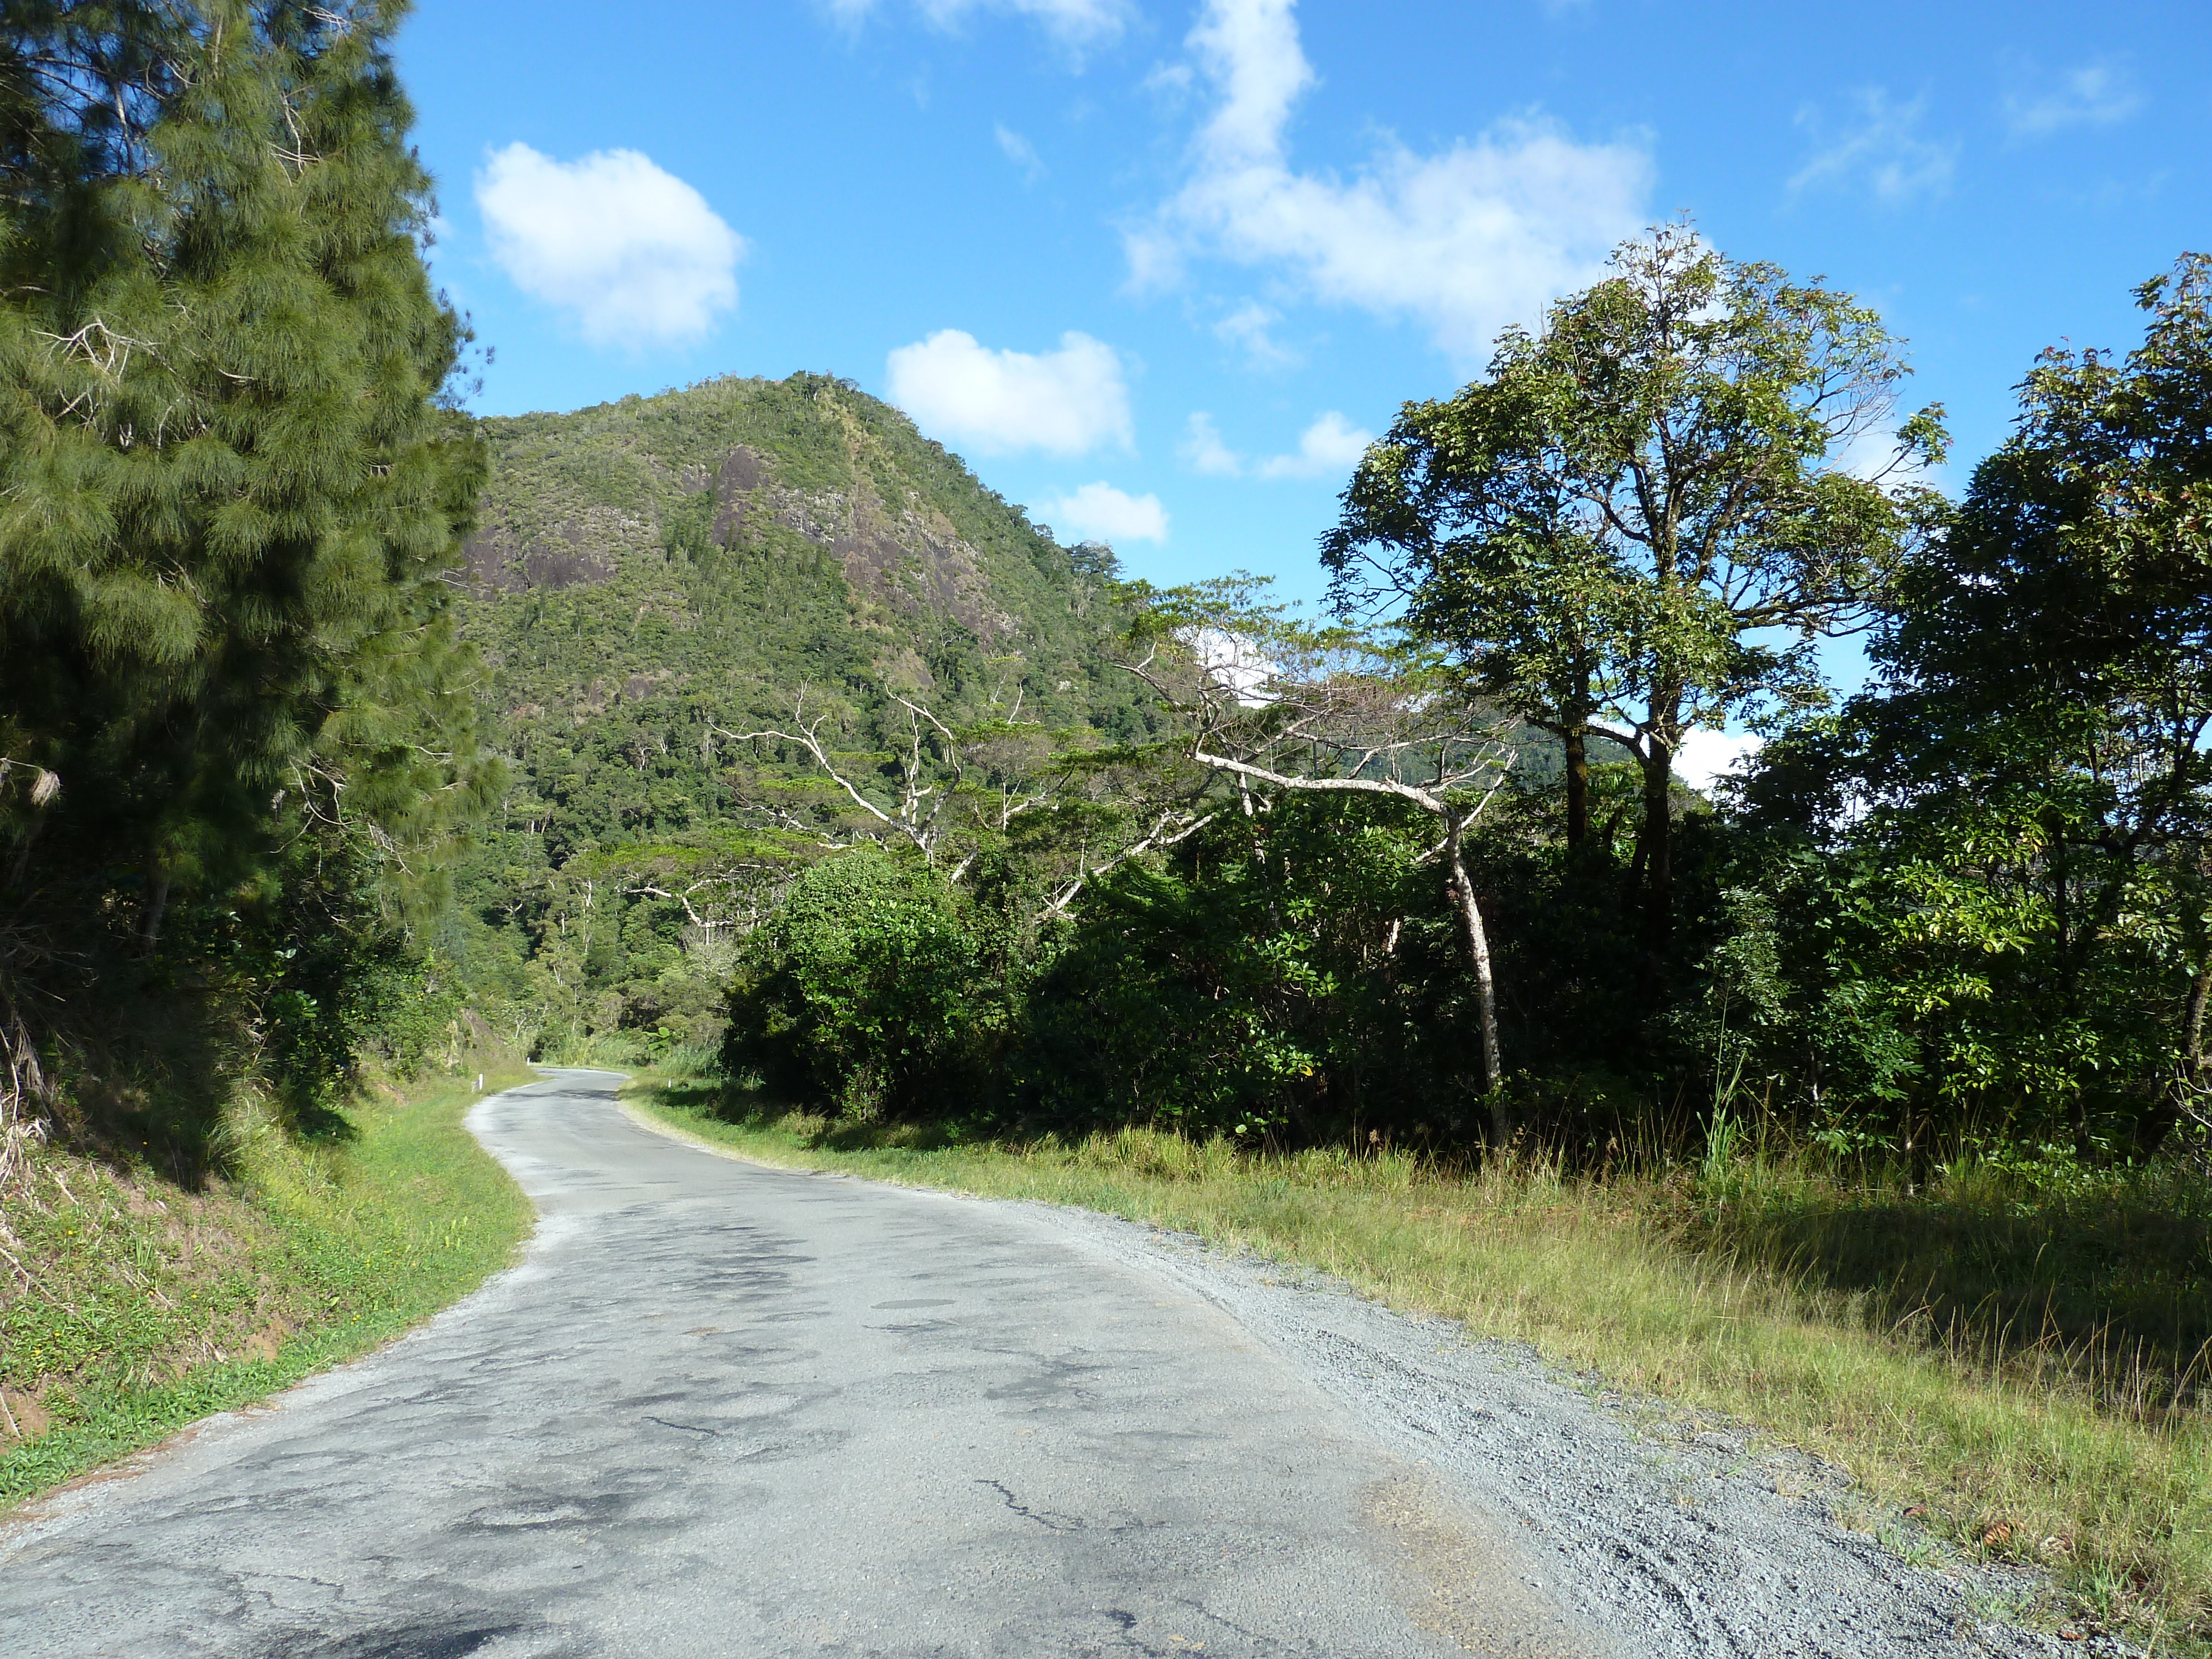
{"type": "Point", "coordinates": [2097, 95]}
{"type": "Point", "coordinates": [1073, 23]}
{"type": "Point", "coordinates": [1249, 50]}
{"type": "Point", "coordinates": [1465, 240]}
{"type": "Point", "coordinates": [1331, 444]}
{"type": "Point", "coordinates": [1881, 149]}
{"type": "Point", "coordinates": [632, 253]}
{"type": "Point", "coordinates": [1706, 757]}
{"type": "Point", "coordinates": [1234, 662]}
{"type": "Point", "coordinates": [1068, 402]}
{"type": "Point", "coordinates": [1022, 152]}
{"type": "Point", "coordinates": [1099, 510]}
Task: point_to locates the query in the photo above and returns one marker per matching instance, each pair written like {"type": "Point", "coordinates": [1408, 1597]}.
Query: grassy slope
{"type": "Point", "coordinates": [2008, 1462]}
{"type": "Point", "coordinates": [133, 1307]}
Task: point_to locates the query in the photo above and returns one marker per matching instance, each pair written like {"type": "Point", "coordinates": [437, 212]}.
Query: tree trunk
{"type": "Point", "coordinates": [1577, 787]}
{"type": "Point", "coordinates": [1655, 850]}
{"type": "Point", "coordinates": [157, 901]}
{"type": "Point", "coordinates": [1477, 940]}
{"type": "Point", "coordinates": [2070, 981]}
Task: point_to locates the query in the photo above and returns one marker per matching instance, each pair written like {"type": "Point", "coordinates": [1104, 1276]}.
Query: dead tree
{"type": "Point", "coordinates": [1281, 710]}
{"type": "Point", "coordinates": [919, 815]}
{"type": "Point", "coordinates": [1002, 772]}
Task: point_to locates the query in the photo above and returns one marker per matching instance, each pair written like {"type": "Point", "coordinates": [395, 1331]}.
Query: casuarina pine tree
{"type": "Point", "coordinates": [230, 489]}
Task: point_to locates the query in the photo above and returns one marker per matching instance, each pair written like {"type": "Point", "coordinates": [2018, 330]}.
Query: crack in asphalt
{"type": "Point", "coordinates": [1041, 1517]}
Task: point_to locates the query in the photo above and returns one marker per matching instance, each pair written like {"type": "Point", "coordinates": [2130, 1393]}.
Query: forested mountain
{"type": "Point", "coordinates": [652, 575]}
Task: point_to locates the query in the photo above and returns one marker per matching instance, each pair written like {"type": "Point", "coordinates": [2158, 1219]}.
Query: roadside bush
{"type": "Point", "coordinates": [868, 994]}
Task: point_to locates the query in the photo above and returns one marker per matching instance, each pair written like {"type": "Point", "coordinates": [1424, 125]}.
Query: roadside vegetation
{"type": "Point", "coordinates": [239, 743]}
{"type": "Point", "coordinates": [2009, 1360]}
{"type": "Point", "coordinates": [131, 1304]}
{"type": "Point", "coordinates": [1864, 1095]}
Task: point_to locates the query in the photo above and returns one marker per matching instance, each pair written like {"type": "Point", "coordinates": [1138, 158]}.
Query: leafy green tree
{"type": "Point", "coordinates": [230, 494]}
{"type": "Point", "coordinates": [1290, 975]}
{"type": "Point", "coordinates": [864, 992]}
{"type": "Point", "coordinates": [1637, 524]}
{"type": "Point", "coordinates": [2031, 782]}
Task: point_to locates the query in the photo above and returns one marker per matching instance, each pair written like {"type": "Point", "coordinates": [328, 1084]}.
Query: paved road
{"type": "Point", "coordinates": [724, 1410]}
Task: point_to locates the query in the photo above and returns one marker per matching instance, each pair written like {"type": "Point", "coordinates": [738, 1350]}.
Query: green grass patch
{"type": "Point", "coordinates": [137, 1306]}
{"type": "Point", "coordinates": [1940, 1345]}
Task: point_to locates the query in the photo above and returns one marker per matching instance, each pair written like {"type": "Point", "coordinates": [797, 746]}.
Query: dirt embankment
{"type": "Point", "coordinates": [118, 1279]}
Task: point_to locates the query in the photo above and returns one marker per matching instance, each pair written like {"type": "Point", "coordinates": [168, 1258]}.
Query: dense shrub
{"type": "Point", "coordinates": [866, 991]}
{"type": "Point", "coordinates": [1286, 974]}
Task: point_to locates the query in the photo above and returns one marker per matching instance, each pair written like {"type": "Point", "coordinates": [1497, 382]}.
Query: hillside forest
{"type": "Point", "coordinates": [742, 728]}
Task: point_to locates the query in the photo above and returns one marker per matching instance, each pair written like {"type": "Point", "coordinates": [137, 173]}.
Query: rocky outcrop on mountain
{"type": "Point", "coordinates": [673, 564]}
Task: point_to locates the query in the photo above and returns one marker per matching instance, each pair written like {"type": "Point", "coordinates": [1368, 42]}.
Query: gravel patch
{"type": "Point", "coordinates": [1680, 1536]}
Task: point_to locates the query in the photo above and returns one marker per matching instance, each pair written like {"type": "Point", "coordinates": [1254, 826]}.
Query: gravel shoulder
{"type": "Point", "coordinates": [1688, 1538]}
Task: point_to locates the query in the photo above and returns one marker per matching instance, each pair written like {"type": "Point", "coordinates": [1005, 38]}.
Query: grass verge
{"type": "Point", "coordinates": [137, 1306]}
{"type": "Point", "coordinates": [1683, 1289]}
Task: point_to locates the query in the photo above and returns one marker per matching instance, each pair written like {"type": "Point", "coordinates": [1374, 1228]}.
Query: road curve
{"type": "Point", "coordinates": [725, 1410]}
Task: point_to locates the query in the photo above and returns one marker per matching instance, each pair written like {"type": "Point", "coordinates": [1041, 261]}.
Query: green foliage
{"type": "Point", "coordinates": [1285, 976]}
{"type": "Point", "coordinates": [866, 991]}
{"type": "Point", "coordinates": [1617, 531]}
{"type": "Point", "coordinates": [229, 493]}
{"type": "Point", "coordinates": [2008, 929]}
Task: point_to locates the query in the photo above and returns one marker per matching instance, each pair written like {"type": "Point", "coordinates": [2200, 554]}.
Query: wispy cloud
{"type": "Point", "coordinates": [1072, 23]}
{"type": "Point", "coordinates": [631, 253]}
{"type": "Point", "coordinates": [2098, 94]}
{"type": "Point", "coordinates": [1203, 451]}
{"type": "Point", "coordinates": [1463, 240]}
{"type": "Point", "coordinates": [1330, 445]}
{"type": "Point", "coordinates": [1019, 150]}
{"type": "Point", "coordinates": [1250, 328]}
{"type": "Point", "coordinates": [1098, 510]}
{"type": "Point", "coordinates": [1879, 150]}
{"type": "Point", "coordinates": [1068, 402]}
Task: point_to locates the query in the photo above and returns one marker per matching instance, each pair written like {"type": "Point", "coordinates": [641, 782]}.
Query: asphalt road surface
{"type": "Point", "coordinates": [727, 1410]}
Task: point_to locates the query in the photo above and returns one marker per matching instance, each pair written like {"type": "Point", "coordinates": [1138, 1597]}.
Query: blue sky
{"type": "Point", "coordinates": [1155, 267]}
